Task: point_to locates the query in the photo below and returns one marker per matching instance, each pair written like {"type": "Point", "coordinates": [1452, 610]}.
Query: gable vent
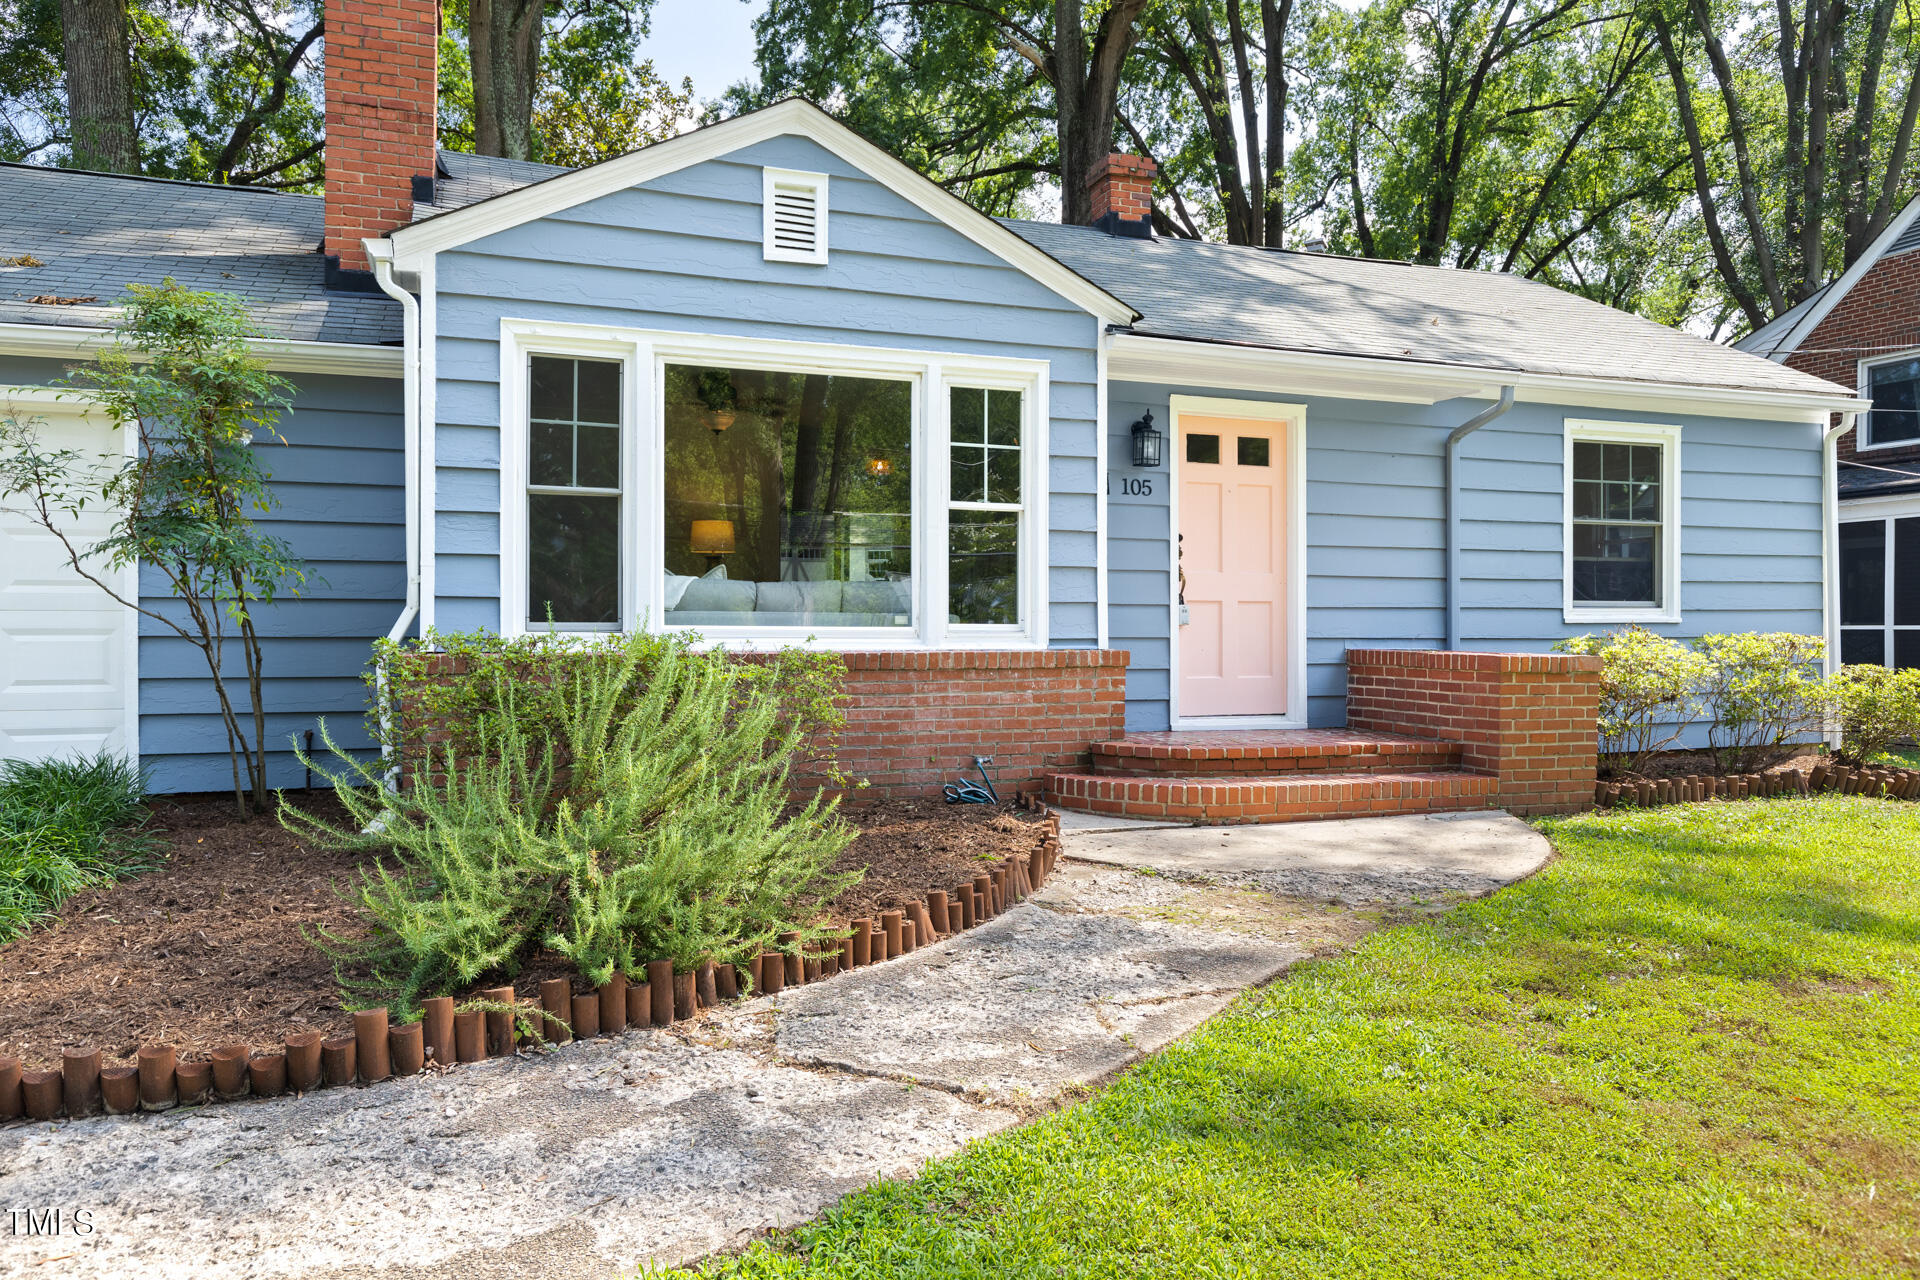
{"type": "Point", "coordinates": [795, 227]}
{"type": "Point", "coordinates": [1907, 241]}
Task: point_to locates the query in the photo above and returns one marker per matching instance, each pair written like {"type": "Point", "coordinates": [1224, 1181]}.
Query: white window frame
{"type": "Point", "coordinates": [645, 353]}
{"type": "Point", "coordinates": [1885, 512]}
{"type": "Point", "coordinates": [815, 184]}
{"type": "Point", "coordinates": [1864, 442]}
{"type": "Point", "coordinates": [1667, 436]}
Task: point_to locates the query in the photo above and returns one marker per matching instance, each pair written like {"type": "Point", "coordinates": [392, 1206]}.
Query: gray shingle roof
{"type": "Point", "coordinates": [1311, 302]}
{"type": "Point", "coordinates": [96, 233]}
{"type": "Point", "coordinates": [468, 179]}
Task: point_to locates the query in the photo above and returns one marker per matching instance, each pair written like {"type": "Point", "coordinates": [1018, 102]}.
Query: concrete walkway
{"type": "Point", "coordinates": [672, 1144]}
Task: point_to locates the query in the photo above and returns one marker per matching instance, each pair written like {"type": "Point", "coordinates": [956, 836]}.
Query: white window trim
{"type": "Point", "coordinates": [816, 185]}
{"type": "Point", "coordinates": [1666, 435]}
{"type": "Point", "coordinates": [1861, 442]}
{"type": "Point", "coordinates": [643, 353]}
{"type": "Point", "coordinates": [1885, 512]}
{"type": "Point", "coordinates": [1295, 416]}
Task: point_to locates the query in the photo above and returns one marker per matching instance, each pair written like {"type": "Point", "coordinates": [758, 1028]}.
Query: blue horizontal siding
{"type": "Point", "coordinates": [683, 253]}
{"type": "Point", "coordinates": [336, 470]}
{"type": "Point", "coordinates": [1750, 536]}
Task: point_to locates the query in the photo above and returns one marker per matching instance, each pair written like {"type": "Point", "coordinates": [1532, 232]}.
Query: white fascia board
{"type": "Point", "coordinates": [1140, 358]}
{"type": "Point", "coordinates": [415, 243]}
{"type": "Point", "coordinates": [283, 355]}
{"type": "Point", "coordinates": [1827, 301]}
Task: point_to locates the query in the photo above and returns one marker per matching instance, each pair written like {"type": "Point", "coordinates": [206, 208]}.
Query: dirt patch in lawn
{"type": "Point", "coordinates": [211, 948]}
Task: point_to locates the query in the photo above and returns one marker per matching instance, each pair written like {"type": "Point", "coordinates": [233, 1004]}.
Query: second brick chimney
{"type": "Point", "coordinates": [1121, 187]}
{"type": "Point", "coordinates": [382, 66]}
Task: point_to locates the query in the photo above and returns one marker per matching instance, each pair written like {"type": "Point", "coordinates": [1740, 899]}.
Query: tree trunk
{"type": "Point", "coordinates": [1086, 86]}
{"type": "Point", "coordinates": [503, 44]}
{"type": "Point", "coordinates": [99, 85]}
{"type": "Point", "coordinates": [1274, 18]}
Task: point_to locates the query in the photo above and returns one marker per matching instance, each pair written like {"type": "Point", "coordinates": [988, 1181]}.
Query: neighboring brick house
{"type": "Point", "coordinates": [1863, 330]}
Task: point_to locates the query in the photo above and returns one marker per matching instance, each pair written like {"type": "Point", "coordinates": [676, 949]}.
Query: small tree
{"type": "Point", "coordinates": [1649, 692]}
{"type": "Point", "coordinates": [181, 372]}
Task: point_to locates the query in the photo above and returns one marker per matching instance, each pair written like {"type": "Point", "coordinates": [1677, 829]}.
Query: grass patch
{"type": "Point", "coordinates": [65, 826]}
{"type": "Point", "coordinates": [1691, 1046]}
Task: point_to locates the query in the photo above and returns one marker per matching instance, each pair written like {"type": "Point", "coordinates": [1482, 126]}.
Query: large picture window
{"type": "Point", "coordinates": [1622, 513]}
{"type": "Point", "coordinates": [1894, 388]}
{"type": "Point", "coordinates": [789, 498]}
{"type": "Point", "coordinates": [573, 491]}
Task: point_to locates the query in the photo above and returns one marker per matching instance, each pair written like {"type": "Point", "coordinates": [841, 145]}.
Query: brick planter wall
{"type": "Point", "coordinates": [1527, 719]}
{"type": "Point", "coordinates": [915, 720]}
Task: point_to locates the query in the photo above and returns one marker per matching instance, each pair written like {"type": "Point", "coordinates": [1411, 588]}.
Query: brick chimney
{"type": "Point", "coordinates": [382, 83]}
{"type": "Point", "coordinates": [1121, 188]}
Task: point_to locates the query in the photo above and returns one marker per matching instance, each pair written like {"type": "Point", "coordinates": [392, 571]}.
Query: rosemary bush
{"type": "Point", "coordinates": [640, 812]}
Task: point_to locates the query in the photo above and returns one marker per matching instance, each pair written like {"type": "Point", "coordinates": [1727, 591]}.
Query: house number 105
{"type": "Point", "coordinates": [1133, 486]}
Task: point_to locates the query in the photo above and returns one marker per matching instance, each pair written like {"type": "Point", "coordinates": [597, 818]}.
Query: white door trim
{"type": "Point", "coordinates": [1295, 416]}
{"type": "Point", "coordinates": [40, 400]}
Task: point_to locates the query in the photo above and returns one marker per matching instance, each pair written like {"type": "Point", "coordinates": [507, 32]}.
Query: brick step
{"type": "Point", "coordinates": [1239, 752]}
{"type": "Point", "coordinates": [1215, 801]}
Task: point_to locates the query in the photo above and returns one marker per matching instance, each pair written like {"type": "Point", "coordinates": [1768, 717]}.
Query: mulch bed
{"type": "Point", "coordinates": [1682, 764]}
{"type": "Point", "coordinates": [211, 948]}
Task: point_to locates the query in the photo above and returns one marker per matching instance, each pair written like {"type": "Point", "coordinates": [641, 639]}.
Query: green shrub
{"type": "Point", "coordinates": [65, 826]}
{"type": "Point", "coordinates": [1649, 692]}
{"type": "Point", "coordinates": [1763, 693]}
{"type": "Point", "coordinates": [618, 801]}
{"type": "Point", "coordinates": [1877, 709]}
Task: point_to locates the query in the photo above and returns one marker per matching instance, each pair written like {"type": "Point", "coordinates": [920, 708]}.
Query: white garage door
{"type": "Point", "coordinates": [66, 648]}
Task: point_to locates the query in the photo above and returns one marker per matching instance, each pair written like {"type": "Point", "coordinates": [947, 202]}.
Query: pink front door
{"type": "Point", "coordinates": [1233, 553]}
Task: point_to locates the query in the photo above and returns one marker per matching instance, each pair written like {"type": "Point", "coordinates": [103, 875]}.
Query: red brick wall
{"type": "Point", "coordinates": [1123, 185]}
{"type": "Point", "coordinates": [382, 82]}
{"type": "Point", "coordinates": [1879, 315]}
{"type": "Point", "coordinates": [1529, 720]}
{"type": "Point", "coordinates": [916, 720]}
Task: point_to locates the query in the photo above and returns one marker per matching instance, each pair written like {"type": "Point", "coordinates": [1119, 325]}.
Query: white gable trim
{"type": "Point", "coordinates": [414, 244]}
{"type": "Point", "coordinates": [1826, 302]}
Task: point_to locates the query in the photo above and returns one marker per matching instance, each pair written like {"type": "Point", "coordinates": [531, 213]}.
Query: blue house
{"type": "Point", "coordinates": [766, 382]}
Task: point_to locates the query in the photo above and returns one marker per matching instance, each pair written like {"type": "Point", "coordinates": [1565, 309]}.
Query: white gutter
{"type": "Point", "coordinates": [1145, 358]}
{"type": "Point", "coordinates": [1451, 471]}
{"type": "Point", "coordinates": [283, 355]}
{"type": "Point", "coordinates": [380, 252]}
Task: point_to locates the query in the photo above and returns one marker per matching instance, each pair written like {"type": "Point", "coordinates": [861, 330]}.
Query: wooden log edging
{"type": "Point", "coordinates": [1887, 783]}
{"type": "Point", "coordinates": [159, 1079]}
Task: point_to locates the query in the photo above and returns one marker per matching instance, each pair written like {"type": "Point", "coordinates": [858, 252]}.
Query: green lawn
{"type": "Point", "coordinates": [1689, 1048]}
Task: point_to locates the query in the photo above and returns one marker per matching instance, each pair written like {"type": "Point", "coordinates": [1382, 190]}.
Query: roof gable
{"type": "Point", "coordinates": [413, 244]}
{"type": "Point", "coordinates": [1776, 341]}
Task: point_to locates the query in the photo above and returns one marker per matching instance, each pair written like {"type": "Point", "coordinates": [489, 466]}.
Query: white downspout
{"type": "Point", "coordinates": [1830, 546]}
{"type": "Point", "coordinates": [380, 254]}
{"type": "Point", "coordinates": [1450, 482]}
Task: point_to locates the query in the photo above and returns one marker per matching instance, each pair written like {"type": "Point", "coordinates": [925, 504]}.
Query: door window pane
{"type": "Point", "coordinates": [788, 499]}
{"type": "Point", "coordinates": [1617, 522]}
{"type": "Point", "coordinates": [1895, 390]}
{"type": "Point", "coordinates": [1203, 449]}
{"type": "Point", "coordinates": [1253, 450]}
{"type": "Point", "coordinates": [1863, 573]}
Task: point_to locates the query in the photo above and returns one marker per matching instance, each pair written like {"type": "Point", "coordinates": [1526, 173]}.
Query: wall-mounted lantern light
{"type": "Point", "coordinates": [1146, 443]}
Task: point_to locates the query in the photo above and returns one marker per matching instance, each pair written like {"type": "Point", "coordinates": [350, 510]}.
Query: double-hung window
{"type": "Point", "coordinates": [1622, 534]}
{"type": "Point", "coordinates": [573, 492]}
{"type": "Point", "coordinates": [986, 507]}
{"type": "Point", "coordinates": [1894, 388]}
